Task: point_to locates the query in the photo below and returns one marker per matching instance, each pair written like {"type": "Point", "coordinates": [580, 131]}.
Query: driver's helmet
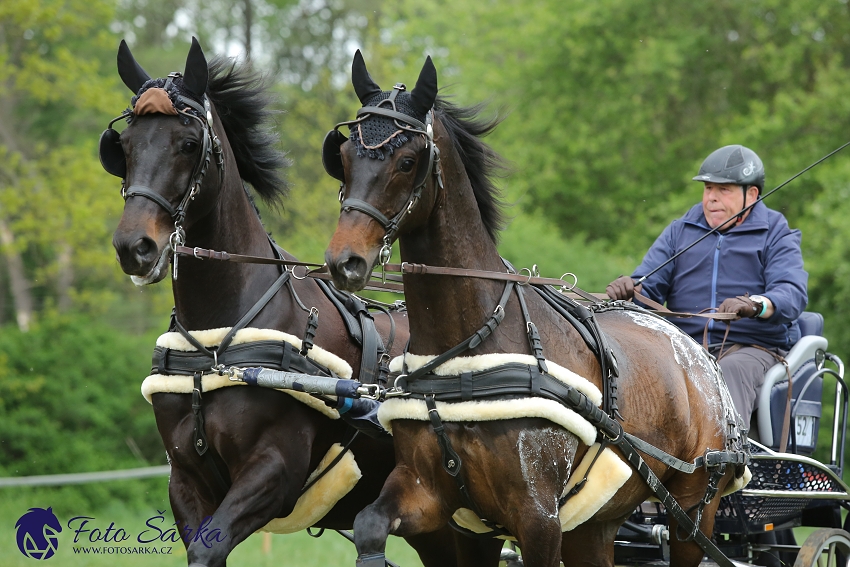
{"type": "Point", "coordinates": [733, 164]}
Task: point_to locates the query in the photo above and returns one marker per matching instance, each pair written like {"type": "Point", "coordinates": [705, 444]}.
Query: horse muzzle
{"type": "Point", "coordinates": [350, 271]}
{"type": "Point", "coordinates": [141, 258]}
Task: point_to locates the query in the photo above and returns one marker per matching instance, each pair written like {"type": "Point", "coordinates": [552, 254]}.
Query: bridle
{"type": "Point", "coordinates": [114, 161]}
{"type": "Point", "coordinates": [332, 160]}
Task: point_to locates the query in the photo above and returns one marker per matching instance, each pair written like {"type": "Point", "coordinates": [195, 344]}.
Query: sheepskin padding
{"type": "Point", "coordinates": [492, 410]}
{"type": "Point", "coordinates": [738, 483]}
{"type": "Point", "coordinates": [213, 337]}
{"type": "Point", "coordinates": [160, 383]}
{"type": "Point", "coordinates": [607, 475]}
{"type": "Point", "coordinates": [460, 364]}
{"type": "Point", "coordinates": [489, 410]}
{"type": "Point", "coordinates": [322, 496]}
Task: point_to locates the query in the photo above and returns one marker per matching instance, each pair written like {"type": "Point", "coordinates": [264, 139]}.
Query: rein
{"type": "Point", "coordinates": [320, 271]}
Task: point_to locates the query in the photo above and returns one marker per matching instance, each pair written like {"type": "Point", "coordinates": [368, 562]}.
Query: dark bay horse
{"type": "Point", "coordinates": [438, 200]}
{"type": "Point", "coordinates": [191, 141]}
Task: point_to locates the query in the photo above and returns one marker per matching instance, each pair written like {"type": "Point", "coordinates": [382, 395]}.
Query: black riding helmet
{"type": "Point", "coordinates": [733, 164]}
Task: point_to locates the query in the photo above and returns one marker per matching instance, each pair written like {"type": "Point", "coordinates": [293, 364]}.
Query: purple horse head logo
{"type": "Point", "coordinates": [38, 533]}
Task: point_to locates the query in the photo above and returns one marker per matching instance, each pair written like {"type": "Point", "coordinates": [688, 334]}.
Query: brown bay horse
{"type": "Point", "coordinates": [438, 200]}
{"type": "Point", "coordinates": [191, 142]}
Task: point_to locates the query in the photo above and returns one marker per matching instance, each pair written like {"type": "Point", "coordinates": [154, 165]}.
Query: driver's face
{"type": "Point", "coordinates": [722, 201]}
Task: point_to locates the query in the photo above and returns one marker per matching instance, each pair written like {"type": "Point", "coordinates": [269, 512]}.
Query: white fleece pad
{"type": "Point", "coordinates": [322, 496]}
{"type": "Point", "coordinates": [739, 483]}
{"type": "Point", "coordinates": [606, 477]}
{"type": "Point", "coordinates": [492, 410]}
{"type": "Point", "coordinates": [398, 408]}
{"type": "Point", "coordinates": [160, 383]}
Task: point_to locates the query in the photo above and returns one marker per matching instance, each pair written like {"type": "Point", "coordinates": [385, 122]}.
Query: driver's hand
{"type": "Point", "coordinates": [622, 288]}
{"type": "Point", "coordinates": [741, 306]}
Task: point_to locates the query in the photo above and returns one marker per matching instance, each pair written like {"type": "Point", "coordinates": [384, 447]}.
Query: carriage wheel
{"type": "Point", "coordinates": [826, 547]}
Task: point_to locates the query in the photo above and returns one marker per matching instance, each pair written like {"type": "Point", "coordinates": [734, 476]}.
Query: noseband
{"type": "Point", "coordinates": [332, 160]}
{"type": "Point", "coordinates": [114, 161]}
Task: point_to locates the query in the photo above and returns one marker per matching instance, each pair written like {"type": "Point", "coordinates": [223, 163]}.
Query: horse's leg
{"type": "Point", "coordinates": [472, 552]}
{"type": "Point", "coordinates": [539, 538]}
{"type": "Point", "coordinates": [590, 544]}
{"type": "Point", "coordinates": [257, 495]}
{"type": "Point", "coordinates": [449, 548]}
{"type": "Point", "coordinates": [688, 490]}
{"type": "Point", "coordinates": [188, 506]}
{"type": "Point", "coordinates": [405, 508]}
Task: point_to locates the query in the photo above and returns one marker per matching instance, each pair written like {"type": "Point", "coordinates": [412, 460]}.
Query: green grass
{"type": "Point", "coordinates": [259, 550]}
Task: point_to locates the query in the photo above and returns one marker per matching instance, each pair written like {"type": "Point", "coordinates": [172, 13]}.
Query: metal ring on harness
{"type": "Point", "coordinates": [565, 288]}
{"type": "Point", "coordinates": [294, 275]}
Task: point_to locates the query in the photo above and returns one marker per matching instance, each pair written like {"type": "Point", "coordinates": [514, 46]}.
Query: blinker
{"type": "Point", "coordinates": [111, 153]}
{"type": "Point", "coordinates": [331, 157]}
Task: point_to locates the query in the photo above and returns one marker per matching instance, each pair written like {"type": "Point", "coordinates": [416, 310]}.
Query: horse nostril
{"type": "Point", "coordinates": [144, 249]}
{"type": "Point", "coordinates": [353, 268]}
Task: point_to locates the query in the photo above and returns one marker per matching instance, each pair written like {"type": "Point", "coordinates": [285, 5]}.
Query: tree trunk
{"type": "Point", "coordinates": [249, 21]}
{"type": "Point", "coordinates": [65, 277]}
{"type": "Point", "coordinates": [17, 278]}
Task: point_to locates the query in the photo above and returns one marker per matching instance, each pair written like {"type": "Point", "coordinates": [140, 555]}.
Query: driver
{"type": "Point", "coordinates": [752, 267]}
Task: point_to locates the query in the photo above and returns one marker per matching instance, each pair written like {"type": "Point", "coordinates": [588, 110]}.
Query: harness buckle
{"type": "Point", "coordinates": [385, 253]}
{"type": "Point", "coordinates": [195, 253]}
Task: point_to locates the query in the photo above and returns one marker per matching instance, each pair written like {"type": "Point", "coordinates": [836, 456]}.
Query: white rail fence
{"type": "Point", "coordinates": [84, 478]}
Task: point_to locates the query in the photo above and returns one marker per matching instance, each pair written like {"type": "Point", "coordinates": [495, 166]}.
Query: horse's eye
{"type": "Point", "coordinates": [189, 147]}
{"type": "Point", "coordinates": [406, 164]}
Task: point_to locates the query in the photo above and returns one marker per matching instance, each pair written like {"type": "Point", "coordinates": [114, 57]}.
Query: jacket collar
{"type": "Point", "coordinates": [756, 220]}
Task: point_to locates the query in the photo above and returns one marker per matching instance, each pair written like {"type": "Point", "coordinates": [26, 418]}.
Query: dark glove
{"type": "Point", "coordinates": [622, 288]}
{"type": "Point", "coordinates": [742, 306]}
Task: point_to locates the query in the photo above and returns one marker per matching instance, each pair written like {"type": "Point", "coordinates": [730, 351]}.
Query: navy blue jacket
{"type": "Point", "coordinates": [760, 256]}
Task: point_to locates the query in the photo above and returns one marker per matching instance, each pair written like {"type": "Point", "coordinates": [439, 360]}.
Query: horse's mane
{"type": "Point", "coordinates": [241, 99]}
{"type": "Point", "coordinates": [481, 162]}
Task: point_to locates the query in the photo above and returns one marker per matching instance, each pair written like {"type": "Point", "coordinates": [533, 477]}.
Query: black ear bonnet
{"type": "Point", "coordinates": [378, 134]}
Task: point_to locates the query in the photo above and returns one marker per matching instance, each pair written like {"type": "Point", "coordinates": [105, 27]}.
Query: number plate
{"type": "Point", "coordinates": [805, 430]}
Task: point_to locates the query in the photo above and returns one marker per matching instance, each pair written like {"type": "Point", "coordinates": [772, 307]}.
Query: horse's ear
{"type": "Point", "coordinates": [424, 93]}
{"type": "Point", "coordinates": [197, 72]}
{"type": "Point", "coordinates": [131, 72]}
{"type": "Point", "coordinates": [364, 86]}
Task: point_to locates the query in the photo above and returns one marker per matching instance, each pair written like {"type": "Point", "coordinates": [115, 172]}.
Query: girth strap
{"type": "Point", "coordinates": [199, 436]}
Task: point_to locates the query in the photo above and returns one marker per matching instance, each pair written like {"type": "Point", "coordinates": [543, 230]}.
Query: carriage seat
{"type": "Point", "coordinates": [803, 361]}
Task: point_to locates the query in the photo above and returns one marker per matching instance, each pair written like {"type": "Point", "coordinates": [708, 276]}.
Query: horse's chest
{"type": "Point", "coordinates": [545, 458]}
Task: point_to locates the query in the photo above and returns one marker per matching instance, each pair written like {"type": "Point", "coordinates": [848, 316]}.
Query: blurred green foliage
{"type": "Point", "coordinates": [70, 402]}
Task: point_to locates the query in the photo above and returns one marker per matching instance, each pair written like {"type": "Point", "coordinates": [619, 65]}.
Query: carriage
{"type": "Point", "coordinates": [789, 488]}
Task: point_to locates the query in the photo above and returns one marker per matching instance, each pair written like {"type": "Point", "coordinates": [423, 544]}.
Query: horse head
{"type": "Point", "coordinates": [171, 155]}
{"type": "Point", "coordinates": [393, 189]}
